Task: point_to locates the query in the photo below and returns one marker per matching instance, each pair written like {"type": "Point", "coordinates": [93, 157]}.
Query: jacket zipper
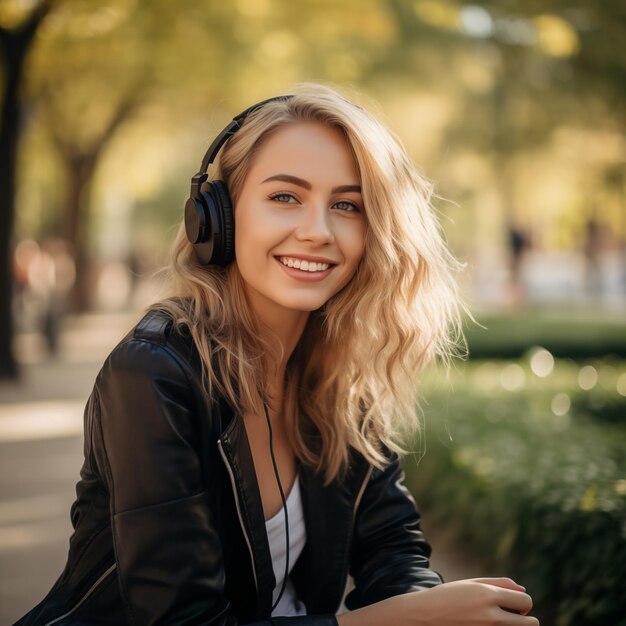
{"type": "Point", "coordinates": [360, 495]}
{"type": "Point", "coordinates": [243, 528]}
{"type": "Point", "coordinates": [85, 596]}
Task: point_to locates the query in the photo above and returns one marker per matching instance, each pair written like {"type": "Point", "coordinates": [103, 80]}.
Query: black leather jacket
{"type": "Point", "coordinates": [168, 519]}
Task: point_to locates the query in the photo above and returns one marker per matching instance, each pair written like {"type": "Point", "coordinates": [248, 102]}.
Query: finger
{"type": "Point", "coordinates": [513, 619]}
{"type": "Point", "coordinates": [517, 601]}
{"type": "Point", "coordinates": [504, 582]}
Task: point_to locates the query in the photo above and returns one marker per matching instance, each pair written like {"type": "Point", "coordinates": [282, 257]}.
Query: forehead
{"type": "Point", "coordinates": [308, 150]}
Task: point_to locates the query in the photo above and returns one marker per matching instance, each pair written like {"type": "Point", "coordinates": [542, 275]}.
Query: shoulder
{"type": "Point", "coordinates": [158, 327]}
{"type": "Point", "coordinates": [155, 326]}
{"type": "Point", "coordinates": [155, 346]}
{"type": "Point", "coordinates": [151, 383]}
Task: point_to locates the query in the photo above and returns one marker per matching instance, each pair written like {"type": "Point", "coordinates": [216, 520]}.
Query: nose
{"type": "Point", "coordinates": [315, 225]}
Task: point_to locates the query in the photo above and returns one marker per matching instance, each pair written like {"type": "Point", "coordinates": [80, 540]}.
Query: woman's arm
{"type": "Point", "coordinates": [393, 582]}
{"type": "Point", "coordinates": [389, 551]}
{"type": "Point", "coordinates": [475, 602]}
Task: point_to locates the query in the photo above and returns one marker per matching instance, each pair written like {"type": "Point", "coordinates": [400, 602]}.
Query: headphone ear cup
{"type": "Point", "coordinates": [210, 224]}
{"type": "Point", "coordinates": [224, 253]}
{"type": "Point", "coordinates": [195, 220]}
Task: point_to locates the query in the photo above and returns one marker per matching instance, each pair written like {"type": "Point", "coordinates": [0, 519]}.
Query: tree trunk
{"type": "Point", "coordinates": [15, 45]}
{"type": "Point", "coordinates": [81, 163]}
{"type": "Point", "coordinates": [14, 56]}
{"type": "Point", "coordinates": [81, 171]}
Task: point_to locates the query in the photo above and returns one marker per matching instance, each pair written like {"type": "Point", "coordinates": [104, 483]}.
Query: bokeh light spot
{"type": "Point", "coordinates": [588, 377]}
{"type": "Point", "coordinates": [556, 36]}
{"type": "Point", "coordinates": [561, 404]}
{"type": "Point", "coordinates": [541, 362]}
{"type": "Point", "coordinates": [512, 377]}
{"type": "Point", "coordinates": [476, 21]}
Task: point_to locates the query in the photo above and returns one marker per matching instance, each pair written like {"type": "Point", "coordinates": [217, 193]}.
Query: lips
{"type": "Point", "coordinates": [306, 264]}
{"type": "Point", "coordinates": [310, 275]}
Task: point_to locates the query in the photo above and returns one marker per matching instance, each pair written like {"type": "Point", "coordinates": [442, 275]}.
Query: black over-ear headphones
{"type": "Point", "coordinates": [209, 220]}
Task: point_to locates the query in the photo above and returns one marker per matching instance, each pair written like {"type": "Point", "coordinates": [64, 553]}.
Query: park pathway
{"type": "Point", "coordinates": [41, 455]}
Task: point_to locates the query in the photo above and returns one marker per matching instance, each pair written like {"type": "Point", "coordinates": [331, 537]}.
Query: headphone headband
{"type": "Point", "coordinates": [231, 129]}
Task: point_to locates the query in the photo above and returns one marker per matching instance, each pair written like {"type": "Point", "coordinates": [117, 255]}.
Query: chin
{"type": "Point", "coordinates": [307, 307]}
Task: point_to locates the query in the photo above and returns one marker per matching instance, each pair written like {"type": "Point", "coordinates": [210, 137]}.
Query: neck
{"type": "Point", "coordinates": [287, 330]}
{"type": "Point", "coordinates": [284, 332]}
{"type": "Point", "coordinates": [280, 327]}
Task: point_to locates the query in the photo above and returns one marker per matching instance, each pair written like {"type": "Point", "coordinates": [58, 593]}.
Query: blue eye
{"type": "Point", "coordinates": [344, 205]}
{"type": "Point", "coordinates": [283, 197]}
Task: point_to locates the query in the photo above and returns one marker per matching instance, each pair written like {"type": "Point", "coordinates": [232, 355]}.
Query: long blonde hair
{"type": "Point", "coordinates": [352, 378]}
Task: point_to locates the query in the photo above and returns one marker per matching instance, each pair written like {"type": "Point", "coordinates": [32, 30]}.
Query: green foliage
{"type": "Point", "coordinates": [537, 489]}
{"type": "Point", "coordinates": [511, 335]}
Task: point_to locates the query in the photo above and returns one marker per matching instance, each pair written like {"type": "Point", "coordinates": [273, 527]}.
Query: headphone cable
{"type": "Point", "coordinates": [282, 495]}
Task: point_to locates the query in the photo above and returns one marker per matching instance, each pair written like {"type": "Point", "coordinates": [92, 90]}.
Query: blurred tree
{"type": "Point", "coordinates": [517, 70]}
{"type": "Point", "coordinates": [95, 67]}
{"type": "Point", "coordinates": [16, 39]}
{"type": "Point", "coordinates": [508, 71]}
{"type": "Point", "coordinates": [92, 71]}
{"type": "Point", "coordinates": [563, 65]}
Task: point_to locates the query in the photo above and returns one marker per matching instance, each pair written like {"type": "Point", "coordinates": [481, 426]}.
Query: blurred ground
{"type": "Point", "coordinates": [41, 455]}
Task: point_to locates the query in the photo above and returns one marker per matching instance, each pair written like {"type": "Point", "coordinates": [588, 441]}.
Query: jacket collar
{"type": "Point", "coordinates": [329, 521]}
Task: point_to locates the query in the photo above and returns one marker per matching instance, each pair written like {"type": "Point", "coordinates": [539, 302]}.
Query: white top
{"type": "Point", "coordinates": [289, 604]}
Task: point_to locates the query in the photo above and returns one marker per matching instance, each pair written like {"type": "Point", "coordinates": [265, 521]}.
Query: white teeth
{"type": "Point", "coordinates": [305, 266]}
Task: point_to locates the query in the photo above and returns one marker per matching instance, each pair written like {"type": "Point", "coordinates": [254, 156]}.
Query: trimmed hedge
{"type": "Point", "coordinates": [533, 484]}
{"type": "Point", "coordinates": [510, 336]}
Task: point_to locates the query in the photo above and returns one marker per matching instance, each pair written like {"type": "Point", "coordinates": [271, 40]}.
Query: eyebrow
{"type": "Point", "coordinates": [300, 182]}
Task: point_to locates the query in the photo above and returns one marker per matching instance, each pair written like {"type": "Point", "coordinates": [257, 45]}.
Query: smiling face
{"type": "Point", "coordinates": [299, 220]}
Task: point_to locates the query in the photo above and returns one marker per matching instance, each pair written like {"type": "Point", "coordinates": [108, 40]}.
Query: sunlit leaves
{"type": "Point", "coordinates": [439, 14]}
{"type": "Point", "coordinates": [555, 36]}
{"type": "Point", "coordinates": [14, 12]}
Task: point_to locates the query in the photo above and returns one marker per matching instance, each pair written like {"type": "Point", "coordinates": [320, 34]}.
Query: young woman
{"type": "Point", "coordinates": [242, 442]}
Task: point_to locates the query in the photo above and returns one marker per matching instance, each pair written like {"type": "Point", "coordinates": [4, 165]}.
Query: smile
{"type": "Point", "coordinates": [301, 264]}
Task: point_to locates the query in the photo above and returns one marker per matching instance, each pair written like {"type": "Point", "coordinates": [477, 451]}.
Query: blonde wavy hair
{"type": "Point", "coordinates": [352, 378]}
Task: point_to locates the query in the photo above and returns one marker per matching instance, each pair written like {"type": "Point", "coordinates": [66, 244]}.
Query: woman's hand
{"type": "Point", "coordinates": [472, 602]}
